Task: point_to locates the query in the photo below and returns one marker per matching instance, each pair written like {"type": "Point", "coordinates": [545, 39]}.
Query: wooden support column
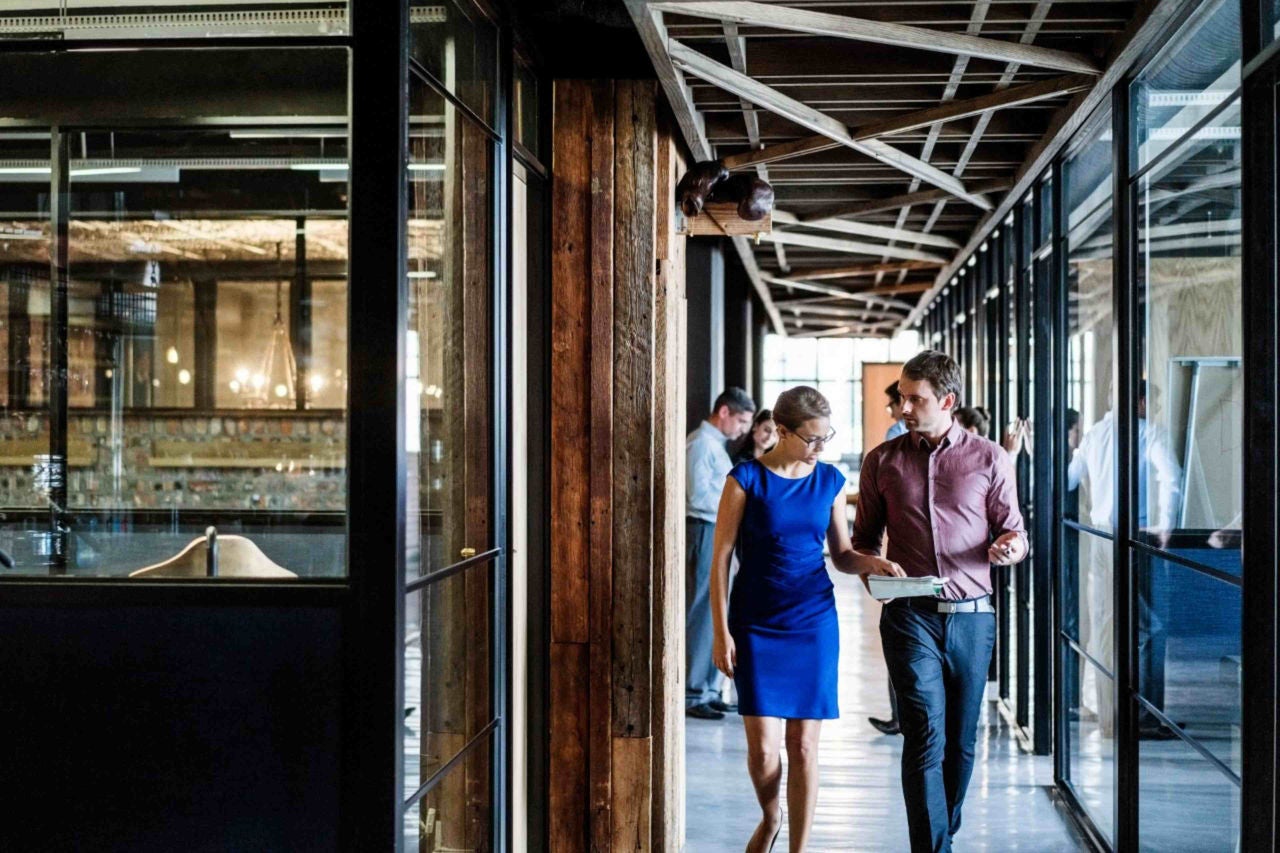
{"type": "Point", "coordinates": [616, 637]}
{"type": "Point", "coordinates": [670, 339]}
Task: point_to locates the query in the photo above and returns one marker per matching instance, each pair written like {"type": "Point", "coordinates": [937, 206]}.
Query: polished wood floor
{"type": "Point", "coordinates": [1010, 805]}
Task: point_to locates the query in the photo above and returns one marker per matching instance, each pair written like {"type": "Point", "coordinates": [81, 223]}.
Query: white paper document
{"type": "Point", "coordinates": [883, 587]}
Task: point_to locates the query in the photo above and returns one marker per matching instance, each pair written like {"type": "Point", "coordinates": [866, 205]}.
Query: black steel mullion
{"type": "Point", "coordinates": [1124, 337]}
{"type": "Point", "coordinates": [1186, 562]}
{"type": "Point", "coordinates": [1043, 458]}
{"type": "Point", "coordinates": [378, 302]}
{"type": "Point", "coordinates": [1079, 649]}
{"type": "Point", "coordinates": [434, 83]}
{"type": "Point", "coordinates": [1021, 573]}
{"type": "Point", "coordinates": [1261, 282]}
{"type": "Point", "coordinates": [1092, 531]}
{"type": "Point", "coordinates": [1075, 807]}
{"type": "Point", "coordinates": [448, 571]}
{"type": "Point", "coordinates": [502, 469]}
{"type": "Point", "coordinates": [1251, 38]}
{"type": "Point", "coordinates": [1200, 748]}
{"type": "Point", "coordinates": [56, 332]}
{"type": "Point", "coordinates": [425, 788]}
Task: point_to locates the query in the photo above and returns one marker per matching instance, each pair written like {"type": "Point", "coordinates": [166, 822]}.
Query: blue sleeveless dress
{"type": "Point", "coordinates": [782, 611]}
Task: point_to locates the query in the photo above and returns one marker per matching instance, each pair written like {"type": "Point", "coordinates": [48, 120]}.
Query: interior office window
{"type": "Point", "coordinates": [1091, 741]}
{"type": "Point", "coordinates": [457, 45]}
{"type": "Point", "coordinates": [1196, 73]}
{"type": "Point", "coordinates": [25, 247]}
{"type": "Point", "coordinates": [1188, 455]}
{"type": "Point", "coordinates": [1190, 461]}
{"type": "Point", "coordinates": [185, 244]}
{"type": "Point", "coordinates": [526, 107]}
{"type": "Point", "coordinates": [450, 465]}
{"type": "Point", "coordinates": [169, 19]}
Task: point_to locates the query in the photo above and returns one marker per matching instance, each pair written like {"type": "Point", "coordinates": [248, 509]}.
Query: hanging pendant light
{"type": "Point", "coordinates": [273, 386]}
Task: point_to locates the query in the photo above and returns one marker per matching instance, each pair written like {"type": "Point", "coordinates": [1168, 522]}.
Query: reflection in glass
{"type": "Point", "coordinates": [1089, 445]}
{"type": "Point", "coordinates": [448, 383]}
{"type": "Point", "coordinates": [1088, 171]}
{"type": "Point", "coordinates": [1189, 645]}
{"type": "Point", "coordinates": [525, 112]}
{"type": "Point", "coordinates": [1196, 72]}
{"type": "Point", "coordinates": [455, 815]}
{"type": "Point", "coordinates": [447, 675]}
{"type": "Point", "coordinates": [188, 404]}
{"type": "Point", "coordinates": [1090, 745]}
{"type": "Point", "coordinates": [459, 48]}
{"type": "Point", "coordinates": [1190, 406]}
{"type": "Point", "coordinates": [1087, 615]}
{"type": "Point", "coordinates": [1185, 803]}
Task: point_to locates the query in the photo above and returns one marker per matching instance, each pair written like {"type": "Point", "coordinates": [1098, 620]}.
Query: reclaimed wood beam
{"type": "Point", "coordinates": [855, 247]}
{"type": "Point", "coordinates": [867, 229]}
{"type": "Point", "coordinates": [883, 32]}
{"type": "Point", "coordinates": [857, 208]}
{"type": "Point", "coordinates": [862, 269]}
{"type": "Point", "coordinates": [653, 34]}
{"type": "Point", "coordinates": [691, 61]}
{"type": "Point", "coordinates": [853, 295]}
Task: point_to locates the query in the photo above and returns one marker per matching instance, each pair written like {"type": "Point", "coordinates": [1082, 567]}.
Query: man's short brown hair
{"type": "Point", "coordinates": [939, 369]}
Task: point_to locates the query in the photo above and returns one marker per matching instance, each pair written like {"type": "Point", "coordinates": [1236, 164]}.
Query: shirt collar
{"type": "Point", "coordinates": [711, 430]}
{"type": "Point", "coordinates": [953, 436]}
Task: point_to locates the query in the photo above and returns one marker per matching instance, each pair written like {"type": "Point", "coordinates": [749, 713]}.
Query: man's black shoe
{"type": "Point", "coordinates": [703, 712]}
{"type": "Point", "coordinates": [723, 707]}
{"type": "Point", "coordinates": [885, 727]}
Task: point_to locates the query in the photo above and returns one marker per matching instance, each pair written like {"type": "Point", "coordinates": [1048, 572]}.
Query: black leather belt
{"type": "Point", "coordinates": [938, 605]}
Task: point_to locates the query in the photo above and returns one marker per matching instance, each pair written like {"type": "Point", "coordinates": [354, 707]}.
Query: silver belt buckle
{"type": "Point", "coordinates": [948, 607]}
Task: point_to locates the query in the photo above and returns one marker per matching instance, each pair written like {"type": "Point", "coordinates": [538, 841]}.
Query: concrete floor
{"type": "Point", "coordinates": [1010, 805]}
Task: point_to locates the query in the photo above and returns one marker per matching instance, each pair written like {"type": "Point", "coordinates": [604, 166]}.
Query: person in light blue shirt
{"type": "Point", "coordinates": [895, 412]}
{"type": "Point", "coordinates": [707, 466]}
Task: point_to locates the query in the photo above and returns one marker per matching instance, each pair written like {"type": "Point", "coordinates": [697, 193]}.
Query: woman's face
{"type": "Point", "coordinates": [808, 442]}
{"type": "Point", "coordinates": [765, 434]}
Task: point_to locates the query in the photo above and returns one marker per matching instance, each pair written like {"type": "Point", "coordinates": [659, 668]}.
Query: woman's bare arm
{"type": "Point", "coordinates": [843, 555]}
{"type": "Point", "coordinates": [733, 501]}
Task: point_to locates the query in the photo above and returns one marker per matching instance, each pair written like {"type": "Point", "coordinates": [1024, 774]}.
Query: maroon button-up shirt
{"type": "Point", "coordinates": [942, 507]}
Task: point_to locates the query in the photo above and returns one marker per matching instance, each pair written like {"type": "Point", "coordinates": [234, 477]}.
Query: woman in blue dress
{"type": "Point", "coordinates": [778, 636]}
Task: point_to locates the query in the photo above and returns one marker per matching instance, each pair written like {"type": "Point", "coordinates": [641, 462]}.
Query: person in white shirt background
{"type": "Point", "coordinates": [1094, 464]}
{"type": "Point", "coordinates": [708, 464]}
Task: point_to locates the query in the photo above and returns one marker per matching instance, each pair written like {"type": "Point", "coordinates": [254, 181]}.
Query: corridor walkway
{"type": "Point", "coordinates": [1010, 806]}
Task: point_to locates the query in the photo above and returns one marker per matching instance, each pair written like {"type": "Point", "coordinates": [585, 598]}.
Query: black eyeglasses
{"type": "Point", "coordinates": [820, 439]}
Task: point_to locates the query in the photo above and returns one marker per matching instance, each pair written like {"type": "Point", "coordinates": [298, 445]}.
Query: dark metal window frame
{"type": "Point", "coordinates": [372, 598]}
{"type": "Point", "coordinates": [1260, 798]}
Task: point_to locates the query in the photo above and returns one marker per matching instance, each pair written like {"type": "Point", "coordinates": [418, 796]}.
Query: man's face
{"type": "Point", "coordinates": [922, 411]}
{"type": "Point", "coordinates": [734, 425]}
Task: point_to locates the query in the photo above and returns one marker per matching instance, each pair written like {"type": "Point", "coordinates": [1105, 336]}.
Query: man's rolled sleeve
{"type": "Point", "coordinates": [1003, 514]}
{"type": "Point", "coordinates": [869, 519]}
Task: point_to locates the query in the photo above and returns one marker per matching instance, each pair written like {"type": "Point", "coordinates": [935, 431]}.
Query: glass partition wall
{"type": "Point", "coordinates": [174, 357]}
{"type": "Point", "coordinates": [202, 322]}
{"type": "Point", "coordinates": [1115, 323]}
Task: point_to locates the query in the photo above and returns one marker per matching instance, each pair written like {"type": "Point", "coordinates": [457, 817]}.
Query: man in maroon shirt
{"type": "Point", "coordinates": [949, 502]}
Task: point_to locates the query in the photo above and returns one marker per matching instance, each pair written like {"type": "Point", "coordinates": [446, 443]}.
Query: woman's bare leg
{"type": "Point", "coordinates": [802, 779]}
{"type": "Point", "coordinates": [764, 763]}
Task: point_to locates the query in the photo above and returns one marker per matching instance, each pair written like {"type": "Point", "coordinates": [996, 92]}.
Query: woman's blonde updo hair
{"type": "Point", "coordinates": [799, 404]}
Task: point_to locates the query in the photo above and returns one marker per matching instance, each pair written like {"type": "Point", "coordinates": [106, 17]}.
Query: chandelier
{"type": "Point", "coordinates": [273, 385]}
